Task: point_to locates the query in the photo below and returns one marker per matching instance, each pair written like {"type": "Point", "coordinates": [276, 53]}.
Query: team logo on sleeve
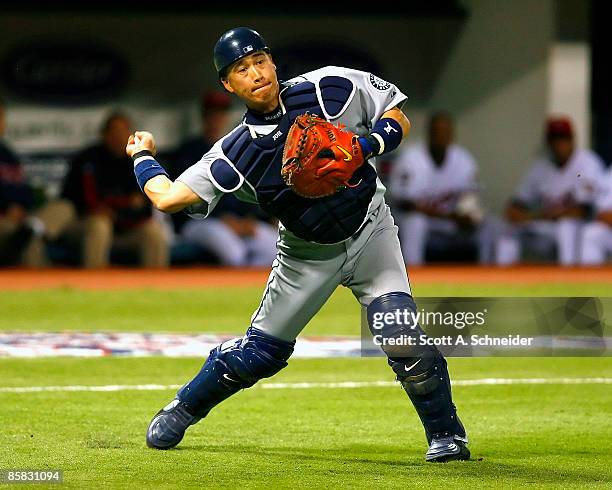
{"type": "Point", "coordinates": [379, 83]}
{"type": "Point", "coordinates": [388, 128]}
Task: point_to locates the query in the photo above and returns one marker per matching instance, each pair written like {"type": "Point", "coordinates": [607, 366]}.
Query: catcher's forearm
{"type": "Point", "coordinates": [387, 133]}
{"type": "Point", "coordinates": [146, 167]}
{"type": "Point", "coordinates": [156, 189]}
{"type": "Point", "coordinates": [167, 196]}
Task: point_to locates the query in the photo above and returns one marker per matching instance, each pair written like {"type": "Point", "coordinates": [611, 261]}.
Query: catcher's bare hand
{"type": "Point", "coordinates": [139, 141]}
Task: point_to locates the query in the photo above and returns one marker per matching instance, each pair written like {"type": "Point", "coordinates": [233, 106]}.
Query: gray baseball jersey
{"type": "Point", "coordinates": [348, 239]}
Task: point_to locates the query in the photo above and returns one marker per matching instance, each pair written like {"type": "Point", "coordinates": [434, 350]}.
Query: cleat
{"type": "Point", "coordinates": [444, 448]}
{"type": "Point", "coordinates": [168, 426]}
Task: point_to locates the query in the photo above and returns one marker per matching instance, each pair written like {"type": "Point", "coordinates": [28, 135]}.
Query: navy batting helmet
{"type": "Point", "coordinates": [235, 44]}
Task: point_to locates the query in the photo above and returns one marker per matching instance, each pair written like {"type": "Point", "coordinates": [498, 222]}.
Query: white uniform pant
{"type": "Point", "coordinates": [596, 243]}
{"type": "Point", "coordinates": [564, 235]}
{"type": "Point", "coordinates": [416, 228]}
{"type": "Point", "coordinates": [231, 249]}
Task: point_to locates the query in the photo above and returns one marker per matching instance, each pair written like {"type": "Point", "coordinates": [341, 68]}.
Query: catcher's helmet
{"type": "Point", "coordinates": [235, 44]}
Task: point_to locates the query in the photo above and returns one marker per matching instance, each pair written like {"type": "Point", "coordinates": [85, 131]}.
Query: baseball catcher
{"type": "Point", "coordinates": [305, 154]}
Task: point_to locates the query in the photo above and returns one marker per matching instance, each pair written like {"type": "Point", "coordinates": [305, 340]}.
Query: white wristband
{"type": "Point", "coordinates": [380, 141]}
{"type": "Point", "coordinates": [142, 159]}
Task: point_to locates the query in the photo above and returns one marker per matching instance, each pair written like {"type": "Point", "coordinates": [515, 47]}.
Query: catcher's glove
{"type": "Point", "coordinates": [319, 158]}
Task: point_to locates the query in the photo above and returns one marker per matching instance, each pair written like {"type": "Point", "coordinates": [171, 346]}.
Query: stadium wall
{"type": "Point", "coordinates": [497, 69]}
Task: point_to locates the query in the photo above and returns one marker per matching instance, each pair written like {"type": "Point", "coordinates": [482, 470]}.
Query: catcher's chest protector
{"type": "Point", "coordinates": [328, 219]}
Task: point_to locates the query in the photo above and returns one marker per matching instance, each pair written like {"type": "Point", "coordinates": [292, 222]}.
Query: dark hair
{"type": "Point", "coordinates": [436, 116]}
{"type": "Point", "coordinates": [112, 117]}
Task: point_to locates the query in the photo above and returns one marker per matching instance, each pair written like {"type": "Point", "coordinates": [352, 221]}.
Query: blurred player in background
{"type": "Point", "coordinates": [23, 230]}
{"type": "Point", "coordinates": [344, 237]}
{"type": "Point", "coordinates": [553, 201]}
{"type": "Point", "coordinates": [238, 234]}
{"type": "Point", "coordinates": [434, 188]}
{"type": "Point", "coordinates": [597, 235]}
{"type": "Point", "coordinates": [110, 209]}
{"type": "Point", "coordinates": [17, 231]}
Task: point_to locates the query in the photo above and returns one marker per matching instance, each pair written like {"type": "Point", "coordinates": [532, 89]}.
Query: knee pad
{"type": "Point", "coordinates": [392, 320]}
{"type": "Point", "coordinates": [255, 356]}
{"type": "Point", "coordinates": [235, 365]}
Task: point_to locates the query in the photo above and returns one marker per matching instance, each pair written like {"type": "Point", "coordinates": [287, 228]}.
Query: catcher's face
{"type": "Point", "coordinates": [253, 79]}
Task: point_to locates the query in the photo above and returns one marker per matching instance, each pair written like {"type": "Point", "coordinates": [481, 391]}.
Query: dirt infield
{"type": "Point", "coordinates": [20, 279]}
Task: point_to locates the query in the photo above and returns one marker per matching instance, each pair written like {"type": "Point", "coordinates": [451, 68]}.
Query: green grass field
{"type": "Point", "coordinates": [213, 310]}
{"type": "Point", "coordinates": [548, 435]}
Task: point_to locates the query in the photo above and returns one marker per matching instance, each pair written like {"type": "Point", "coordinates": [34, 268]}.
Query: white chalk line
{"type": "Point", "coordinates": [293, 386]}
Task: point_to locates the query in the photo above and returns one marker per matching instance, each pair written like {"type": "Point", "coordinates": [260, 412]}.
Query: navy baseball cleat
{"type": "Point", "coordinates": [444, 447]}
{"type": "Point", "coordinates": [168, 426]}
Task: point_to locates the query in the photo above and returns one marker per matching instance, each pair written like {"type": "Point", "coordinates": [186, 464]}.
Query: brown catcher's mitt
{"type": "Point", "coordinates": [319, 157]}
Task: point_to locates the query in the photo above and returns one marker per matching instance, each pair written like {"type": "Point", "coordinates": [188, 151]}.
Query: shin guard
{"type": "Point", "coordinates": [420, 368]}
{"type": "Point", "coordinates": [235, 365]}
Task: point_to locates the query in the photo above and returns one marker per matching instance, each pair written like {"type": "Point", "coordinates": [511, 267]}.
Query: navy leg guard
{"type": "Point", "coordinates": [430, 393]}
{"type": "Point", "coordinates": [233, 366]}
{"type": "Point", "coordinates": [421, 369]}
